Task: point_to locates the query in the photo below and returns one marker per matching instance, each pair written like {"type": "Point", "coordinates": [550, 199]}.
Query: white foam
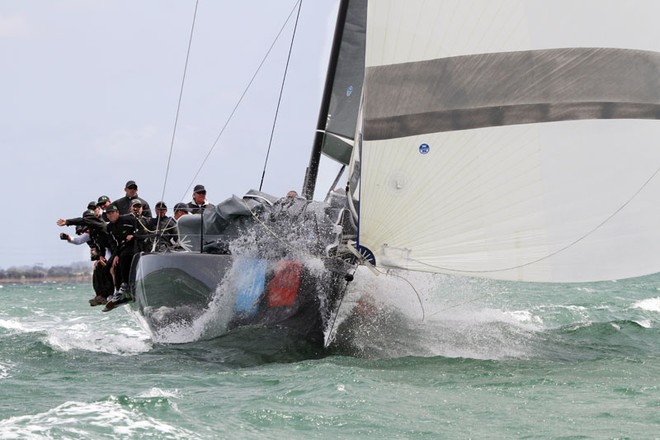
{"type": "Point", "coordinates": [80, 420]}
{"type": "Point", "coordinates": [525, 316]}
{"type": "Point", "coordinates": [158, 392]}
{"type": "Point", "coordinates": [431, 315]}
{"type": "Point", "coordinates": [95, 339]}
{"type": "Point", "coordinates": [5, 368]}
{"type": "Point", "coordinates": [650, 304]}
{"type": "Point", "coordinates": [12, 324]}
{"type": "Point", "coordinates": [82, 328]}
{"type": "Point", "coordinates": [97, 333]}
{"type": "Point", "coordinates": [645, 323]}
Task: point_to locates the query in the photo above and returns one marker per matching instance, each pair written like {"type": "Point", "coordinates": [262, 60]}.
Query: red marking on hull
{"type": "Point", "coordinates": [283, 288]}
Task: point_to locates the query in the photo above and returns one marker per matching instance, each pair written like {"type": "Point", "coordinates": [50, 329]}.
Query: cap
{"type": "Point", "coordinates": [131, 183]}
{"type": "Point", "coordinates": [91, 205]}
{"type": "Point", "coordinates": [111, 208]}
{"type": "Point", "coordinates": [161, 205]}
{"type": "Point", "coordinates": [181, 207]}
{"type": "Point", "coordinates": [102, 200]}
{"type": "Point", "coordinates": [199, 189]}
{"type": "Point", "coordinates": [135, 202]}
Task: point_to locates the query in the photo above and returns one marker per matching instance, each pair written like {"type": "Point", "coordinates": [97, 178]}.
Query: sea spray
{"type": "Point", "coordinates": [257, 254]}
{"type": "Point", "coordinates": [402, 313]}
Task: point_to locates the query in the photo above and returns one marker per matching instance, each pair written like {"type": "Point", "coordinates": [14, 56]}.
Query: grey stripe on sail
{"type": "Point", "coordinates": [510, 88]}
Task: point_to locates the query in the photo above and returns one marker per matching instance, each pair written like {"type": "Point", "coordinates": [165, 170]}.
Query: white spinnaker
{"type": "Point", "coordinates": [559, 201]}
{"type": "Point", "coordinates": [489, 203]}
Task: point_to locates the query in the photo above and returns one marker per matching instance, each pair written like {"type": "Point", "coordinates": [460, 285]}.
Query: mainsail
{"type": "Point", "coordinates": [512, 139]}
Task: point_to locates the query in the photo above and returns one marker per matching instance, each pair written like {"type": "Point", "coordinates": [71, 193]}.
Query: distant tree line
{"type": "Point", "coordinates": [38, 271]}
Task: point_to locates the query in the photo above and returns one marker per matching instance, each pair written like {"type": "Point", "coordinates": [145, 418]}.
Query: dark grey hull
{"type": "Point", "coordinates": [216, 294]}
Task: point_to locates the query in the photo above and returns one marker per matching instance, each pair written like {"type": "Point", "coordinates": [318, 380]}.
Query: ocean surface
{"type": "Point", "coordinates": [428, 357]}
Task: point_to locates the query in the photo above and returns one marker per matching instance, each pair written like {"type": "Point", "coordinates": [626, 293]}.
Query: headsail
{"type": "Point", "coordinates": [338, 114]}
{"type": "Point", "coordinates": [346, 89]}
{"type": "Point", "coordinates": [512, 139]}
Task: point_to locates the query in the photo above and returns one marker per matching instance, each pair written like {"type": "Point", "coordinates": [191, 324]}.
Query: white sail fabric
{"type": "Point", "coordinates": [512, 139]}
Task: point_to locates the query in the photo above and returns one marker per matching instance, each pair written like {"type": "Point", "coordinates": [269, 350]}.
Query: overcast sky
{"type": "Point", "coordinates": [89, 92]}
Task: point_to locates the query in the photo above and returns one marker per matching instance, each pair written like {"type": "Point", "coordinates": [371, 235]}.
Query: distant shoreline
{"type": "Point", "coordinates": [73, 279]}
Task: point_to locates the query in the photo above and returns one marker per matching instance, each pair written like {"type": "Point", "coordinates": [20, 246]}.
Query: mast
{"type": "Point", "coordinates": [313, 168]}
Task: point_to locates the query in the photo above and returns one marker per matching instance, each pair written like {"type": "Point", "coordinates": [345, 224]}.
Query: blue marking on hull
{"type": "Point", "coordinates": [249, 286]}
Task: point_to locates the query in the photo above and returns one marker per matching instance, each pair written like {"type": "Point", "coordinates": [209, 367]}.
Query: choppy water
{"type": "Point", "coordinates": [476, 359]}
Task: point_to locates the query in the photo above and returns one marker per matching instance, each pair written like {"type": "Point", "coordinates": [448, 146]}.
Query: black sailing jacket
{"type": "Point", "coordinates": [98, 233]}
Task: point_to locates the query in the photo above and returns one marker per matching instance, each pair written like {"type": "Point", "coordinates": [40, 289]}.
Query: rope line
{"type": "Point", "coordinates": [459, 304]}
{"type": "Point", "coordinates": [421, 304]}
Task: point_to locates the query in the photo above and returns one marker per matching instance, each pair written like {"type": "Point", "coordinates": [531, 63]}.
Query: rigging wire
{"type": "Point", "coordinates": [279, 99]}
{"type": "Point", "coordinates": [240, 100]}
{"type": "Point", "coordinates": [176, 117]}
{"type": "Point", "coordinates": [178, 107]}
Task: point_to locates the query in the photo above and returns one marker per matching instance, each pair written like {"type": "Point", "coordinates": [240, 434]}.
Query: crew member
{"type": "Point", "coordinates": [122, 231]}
{"type": "Point", "coordinates": [103, 202]}
{"type": "Point", "coordinates": [180, 209]}
{"type": "Point", "coordinates": [165, 227]}
{"type": "Point", "coordinates": [144, 237]}
{"type": "Point", "coordinates": [199, 202]}
{"type": "Point", "coordinates": [98, 247]}
{"type": "Point", "coordinates": [124, 203]}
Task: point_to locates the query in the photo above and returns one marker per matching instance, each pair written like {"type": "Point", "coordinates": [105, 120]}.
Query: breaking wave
{"type": "Point", "coordinates": [426, 315]}
{"type": "Point", "coordinates": [116, 416]}
{"type": "Point", "coordinates": [83, 332]}
{"type": "Point", "coordinates": [650, 304]}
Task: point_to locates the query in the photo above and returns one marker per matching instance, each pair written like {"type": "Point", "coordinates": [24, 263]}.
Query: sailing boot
{"type": "Point", "coordinates": [98, 300]}
{"type": "Point", "coordinates": [120, 297]}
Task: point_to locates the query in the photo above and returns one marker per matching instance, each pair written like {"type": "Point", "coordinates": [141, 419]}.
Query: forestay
{"type": "Point", "coordinates": [512, 139]}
